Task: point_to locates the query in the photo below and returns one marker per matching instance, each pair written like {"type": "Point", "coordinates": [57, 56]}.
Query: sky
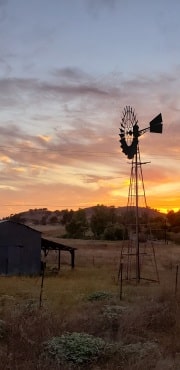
{"type": "Point", "coordinates": [67, 70]}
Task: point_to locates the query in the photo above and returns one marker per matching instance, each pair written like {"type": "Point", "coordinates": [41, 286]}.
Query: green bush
{"type": "Point", "coordinates": [115, 232]}
{"type": "Point", "coordinates": [98, 296]}
{"type": "Point", "coordinates": [77, 348]}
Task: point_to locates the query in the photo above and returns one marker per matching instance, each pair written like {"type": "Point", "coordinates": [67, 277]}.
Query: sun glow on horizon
{"type": "Point", "coordinates": [166, 210]}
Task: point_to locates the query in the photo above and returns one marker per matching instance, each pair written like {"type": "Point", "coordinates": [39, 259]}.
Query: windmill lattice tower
{"type": "Point", "coordinates": [139, 246]}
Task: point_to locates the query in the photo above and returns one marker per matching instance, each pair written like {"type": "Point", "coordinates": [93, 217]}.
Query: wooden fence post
{"type": "Point", "coordinates": [42, 284]}
{"type": "Point", "coordinates": [176, 280]}
{"type": "Point", "coordinates": [121, 280]}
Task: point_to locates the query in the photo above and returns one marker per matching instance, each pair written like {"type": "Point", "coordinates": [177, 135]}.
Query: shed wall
{"type": "Point", "coordinates": [20, 249]}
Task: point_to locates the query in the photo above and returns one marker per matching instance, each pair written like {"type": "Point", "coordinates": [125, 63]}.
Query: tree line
{"type": "Point", "coordinates": [106, 223]}
{"type": "Point", "coordinates": [102, 222]}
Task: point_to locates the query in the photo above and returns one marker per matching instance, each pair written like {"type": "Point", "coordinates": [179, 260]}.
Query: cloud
{"type": "Point", "coordinates": [85, 99]}
{"type": "Point", "coordinates": [5, 159]}
{"type": "Point", "coordinates": [95, 7]}
{"type": "Point", "coordinates": [95, 178]}
{"type": "Point", "coordinates": [71, 90]}
{"type": "Point", "coordinates": [44, 138]}
{"type": "Point", "coordinates": [71, 74]}
{"type": "Point", "coordinates": [20, 91]}
{"type": "Point", "coordinates": [74, 144]}
{"type": "Point", "coordinates": [75, 86]}
{"type": "Point", "coordinates": [89, 126]}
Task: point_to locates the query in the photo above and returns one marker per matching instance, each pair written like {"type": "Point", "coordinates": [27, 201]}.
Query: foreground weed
{"type": "Point", "coordinates": [98, 296]}
{"type": "Point", "coordinates": [77, 348]}
{"type": "Point", "coordinates": [114, 311]}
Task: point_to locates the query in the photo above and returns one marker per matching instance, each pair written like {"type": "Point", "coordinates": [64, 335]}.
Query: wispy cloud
{"type": "Point", "coordinates": [76, 145]}
{"type": "Point", "coordinates": [97, 6]}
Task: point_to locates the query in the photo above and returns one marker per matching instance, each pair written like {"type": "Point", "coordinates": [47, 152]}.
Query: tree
{"type": "Point", "coordinates": [53, 220]}
{"type": "Point", "coordinates": [174, 220]}
{"type": "Point", "coordinates": [78, 225]}
{"type": "Point", "coordinates": [17, 217]}
{"type": "Point", "coordinates": [112, 215]}
{"type": "Point", "coordinates": [115, 232]}
{"type": "Point", "coordinates": [44, 220]}
{"type": "Point", "coordinates": [66, 216]}
{"type": "Point", "coordinates": [102, 218]}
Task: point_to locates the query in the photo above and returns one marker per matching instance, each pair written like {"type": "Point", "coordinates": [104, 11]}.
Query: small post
{"type": "Point", "coordinates": [72, 259]}
{"type": "Point", "coordinates": [157, 273]}
{"type": "Point", "coordinates": [176, 281]}
{"type": "Point", "coordinates": [59, 259]}
{"type": "Point", "coordinates": [121, 280]}
{"type": "Point", "coordinates": [42, 283]}
{"type": "Point", "coordinates": [119, 270]}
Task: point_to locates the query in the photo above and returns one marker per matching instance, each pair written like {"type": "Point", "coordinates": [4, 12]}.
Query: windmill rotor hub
{"type": "Point", "coordinates": [129, 132]}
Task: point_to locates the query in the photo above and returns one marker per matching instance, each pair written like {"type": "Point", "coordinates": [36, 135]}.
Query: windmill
{"type": "Point", "coordinates": [129, 141]}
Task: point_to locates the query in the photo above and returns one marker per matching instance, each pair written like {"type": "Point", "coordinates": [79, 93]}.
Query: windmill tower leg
{"type": "Point", "coordinates": [137, 220]}
{"type": "Point", "coordinates": [129, 141]}
{"type": "Point", "coordinates": [132, 252]}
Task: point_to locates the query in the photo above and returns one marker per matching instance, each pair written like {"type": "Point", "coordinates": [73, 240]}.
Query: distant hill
{"type": "Point", "coordinates": [43, 216]}
{"type": "Point", "coordinates": [120, 211]}
{"type": "Point", "coordinates": [37, 216]}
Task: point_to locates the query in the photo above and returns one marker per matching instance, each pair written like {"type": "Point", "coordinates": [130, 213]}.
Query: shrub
{"type": "Point", "coordinates": [113, 233]}
{"type": "Point", "coordinates": [141, 355]}
{"type": "Point", "coordinates": [98, 296]}
{"type": "Point", "coordinates": [113, 312]}
{"type": "Point", "coordinates": [77, 348]}
{"type": "Point", "coordinates": [53, 220]}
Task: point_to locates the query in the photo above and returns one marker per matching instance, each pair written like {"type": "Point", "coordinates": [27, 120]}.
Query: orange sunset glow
{"type": "Point", "coordinates": [83, 167]}
{"type": "Point", "coordinates": [65, 79]}
{"type": "Point", "coordinates": [75, 174]}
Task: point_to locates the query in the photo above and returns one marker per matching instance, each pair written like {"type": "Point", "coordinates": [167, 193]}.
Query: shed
{"type": "Point", "coordinates": [20, 249]}
{"type": "Point", "coordinates": [50, 245]}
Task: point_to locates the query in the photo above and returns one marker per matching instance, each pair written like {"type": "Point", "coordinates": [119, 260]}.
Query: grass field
{"type": "Point", "coordinates": [141, 331]}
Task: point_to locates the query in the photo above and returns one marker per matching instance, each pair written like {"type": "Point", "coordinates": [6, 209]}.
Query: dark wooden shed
{"type": "Point", "coordinates": [20, 249]}
{"type": "Point", "coordinates": [50, 245]}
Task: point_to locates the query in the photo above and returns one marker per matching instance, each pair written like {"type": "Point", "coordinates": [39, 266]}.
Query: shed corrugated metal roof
{"type": "Point", "coordinates": [18, 223]}
{"type": "Point", "coordinates": [50, 244]}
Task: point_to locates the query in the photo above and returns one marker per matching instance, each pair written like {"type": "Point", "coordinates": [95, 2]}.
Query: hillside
{"type": "Point", "coordinates": [44, 216]}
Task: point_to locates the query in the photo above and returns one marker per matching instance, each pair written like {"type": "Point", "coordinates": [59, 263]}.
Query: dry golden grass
{"type": "Point", "coordinates": [49, 230]}
{"type": "Point", "coordinates": [146, 323]}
